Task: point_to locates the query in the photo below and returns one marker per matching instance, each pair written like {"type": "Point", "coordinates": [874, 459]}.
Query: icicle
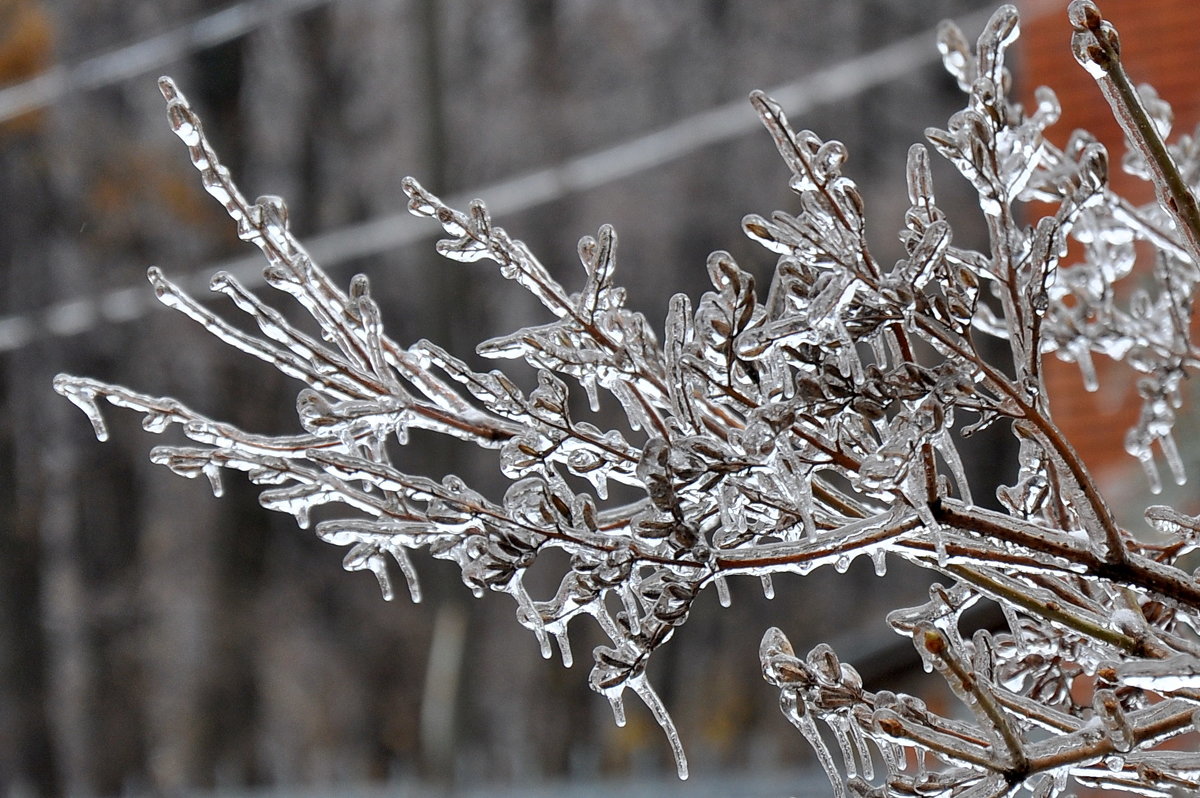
{"type": "Point", "coordinates": [803, 721]}
{"type": "Point", "coordinates": [880, 349]}
{"type": "Point", "coordinates": [213, 472]}
{"type": "Point", "coordinates": [939, 543]}
{"type": "Point", "coordinates": [722, 587]}
{"type": "Point", "coordinates": [891, 753]}
{"type": "Point", "coordinates": [949, 453]}
{"type": "Point", "coordinates": [768, 586]}
{"type": "Point", "coordinates": [655, 705]}
{"type": "Point", "coordinates": [598, 479]}
{"type": "Point", "coordinates": [1148, 466]}
{"type": "Point", "coordinates": [864, 752]}
{"type": "Point", "coordinates": [1060, 779]}
{"type": "Point", "coordinates": [404, 561]}
{"type": "Point", "coordinates": [629, 603]}
{"type": "Point", "coordinates": [529, 616]}
{"type": "Point", "coordinates": [1014, 627]}
{"type": "Point", "coordinates": [1170, 451]}
{"type": "Point", "coordinates": [588, 381]}
{"type": "Point", "coordinates": [1087, 369]}
{"type": "Point", "coordinates": [840, 726]}
{"type": "Point", "coordinates": [564, 647]}
{"type": "Point", "coordinates": [617, 702]}
{"type": "Point", "coordinates": [1042, 786]}
{"type": "Point", "coordinates": [364, 556]}
{"type": "Point", "coordinates": [803, 484]}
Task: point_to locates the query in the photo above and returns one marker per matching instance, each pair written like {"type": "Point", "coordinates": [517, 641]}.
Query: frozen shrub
{"type": "Point", "coordinates": [774, 434]}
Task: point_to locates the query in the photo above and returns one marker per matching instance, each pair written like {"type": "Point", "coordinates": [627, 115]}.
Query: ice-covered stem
{"type": "Point", "coordinates": [290, 268]}
{"type": "Point", "coordinates": [1020, 595]}
{"type": "Point", "coordinates": [819, 168]}
{"type": "Point", "coordinates": [1097, 47]}
{"type": "Point", "coordinates": [1156, 723]}
{"type": "Point", "coordinates": [1135, 570]}
{"type": "Point", "coordinates": [1036, 421]}
{"type": "Point", "coordinates": [978, 142]}
{"type": "Point", "coordinates": [474, 237]}
{"type": "Point", "coordinates": [999, 755]}
{"type": "Point", "coordinates": [973, 691]}
{"type": "Point", "coordinates": [1096, 512]}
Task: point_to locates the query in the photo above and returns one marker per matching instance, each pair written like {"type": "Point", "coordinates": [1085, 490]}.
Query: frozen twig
{"type": "Point", "coordinates": [825, 421]}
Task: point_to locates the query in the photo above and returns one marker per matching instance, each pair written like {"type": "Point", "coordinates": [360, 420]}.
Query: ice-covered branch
{"type": "Point", "coordinates": [767, 436]}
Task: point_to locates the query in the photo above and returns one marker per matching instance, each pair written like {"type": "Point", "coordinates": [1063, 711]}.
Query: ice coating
{"type": "Point", "coordinates": [772, 432]}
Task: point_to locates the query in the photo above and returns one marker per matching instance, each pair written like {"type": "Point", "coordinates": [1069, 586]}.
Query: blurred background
{"type": "Point", "coordinates": [157, 641]}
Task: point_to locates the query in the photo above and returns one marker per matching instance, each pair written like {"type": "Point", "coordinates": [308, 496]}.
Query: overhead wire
{"type": "Point", "coordinates": [145, 55]}
{"type": "Point", "coordinates": [507, 196]}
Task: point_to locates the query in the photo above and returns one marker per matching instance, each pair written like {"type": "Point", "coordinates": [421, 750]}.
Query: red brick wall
{"type": "Point", "coordinates": [1160, 45]}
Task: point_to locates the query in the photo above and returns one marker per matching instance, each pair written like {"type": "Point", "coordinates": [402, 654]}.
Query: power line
{"type": "Point", "coordinates": [145, 55]}
{"type": "Point", "coordinates": [511, 195]}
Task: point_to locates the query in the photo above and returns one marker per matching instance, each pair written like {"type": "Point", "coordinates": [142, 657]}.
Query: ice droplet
{"type": "Point", "coordinates": [1089, 55]}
